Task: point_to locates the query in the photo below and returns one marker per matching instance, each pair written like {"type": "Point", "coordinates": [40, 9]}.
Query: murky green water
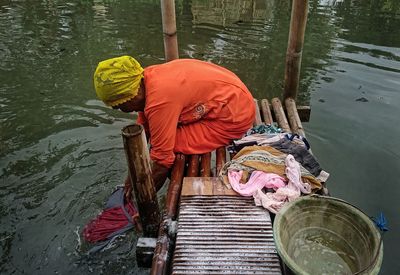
{"type": "Point", "coordinates": [334, 254]}
{"type": "Point", "coordinates": [60, 148]}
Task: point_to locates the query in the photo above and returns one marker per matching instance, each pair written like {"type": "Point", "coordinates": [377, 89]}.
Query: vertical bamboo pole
{"type": "Point", "coordinates": [169, 30]}
{"type": "Point", "coordinates": [138, 159]}
{"type": "Point", "coordinates": [298, 23]}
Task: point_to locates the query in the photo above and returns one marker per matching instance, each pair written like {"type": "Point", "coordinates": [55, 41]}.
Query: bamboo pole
{"type": "Point", "coordinates": [280, 114]}
{"type": "Point", "coordinates": [160, 261]}
{"type": "Point", "coordinates": [161, 258]}
{"type": "Point", "coordinates": [266, 110]}
{"type": "Point", "coordinates": [293, 117]}
{"type": "Point", "coordinates": [193, 168]}
{"type": "Point", "coordinates": [169, 30]}
{"type": "Point", "coordinates": [138, 159]}
{"type": "Point", "coordinates": [257, 118]}
{"type": "Point", "coordinates": [205, 170]}
{"type": "Point", "coordinates": [294, 51]}
{"type": "Point", "coordinates": [175, 186]}
{"type": "Point", "coordinates": [220, 159]}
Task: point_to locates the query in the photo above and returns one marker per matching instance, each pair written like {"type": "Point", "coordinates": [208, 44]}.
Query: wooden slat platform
{"type": "Point", "coordinates": [206, 192]}
{"type": "Point", "coordinates": [221, 232]}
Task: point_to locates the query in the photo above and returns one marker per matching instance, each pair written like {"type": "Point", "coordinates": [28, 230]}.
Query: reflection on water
{"type": "Point", "coordinates": [60, 148]}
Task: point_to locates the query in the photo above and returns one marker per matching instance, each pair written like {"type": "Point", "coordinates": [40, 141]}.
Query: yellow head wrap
{"type": "Point", "coordinates": [117, 80]}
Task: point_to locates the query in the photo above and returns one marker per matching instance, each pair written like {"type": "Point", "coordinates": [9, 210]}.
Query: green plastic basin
{"type": "Point", "coordinates": [325, 235]}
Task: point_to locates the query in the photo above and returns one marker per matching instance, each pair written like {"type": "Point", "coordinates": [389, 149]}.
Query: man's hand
{"type": "Point", "coordinates": [159, 173]}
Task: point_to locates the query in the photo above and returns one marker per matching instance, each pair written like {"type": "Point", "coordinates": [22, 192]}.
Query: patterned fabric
{"type": "Point", "coordinates": [266, 159]}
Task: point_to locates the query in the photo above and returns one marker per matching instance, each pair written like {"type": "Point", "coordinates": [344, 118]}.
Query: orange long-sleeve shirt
{"type": "Point", "coordinates": [193, 107]}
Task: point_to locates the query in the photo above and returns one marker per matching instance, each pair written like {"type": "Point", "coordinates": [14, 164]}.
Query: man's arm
{"type": "Point", "coordinates": [159, 174]}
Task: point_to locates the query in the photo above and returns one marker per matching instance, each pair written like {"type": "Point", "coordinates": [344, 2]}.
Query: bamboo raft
{"type": "Point", "coordinates": [190, 240]}
{"type": "Point", "coordinates": [209, 229]}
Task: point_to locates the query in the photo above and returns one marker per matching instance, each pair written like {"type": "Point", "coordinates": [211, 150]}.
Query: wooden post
{"type": "Point", "coordinates": [298, 24]}
{"type": "Point", "coordinates": [138, 159]}
{"type": "Point", "coordinates": [169, 30]}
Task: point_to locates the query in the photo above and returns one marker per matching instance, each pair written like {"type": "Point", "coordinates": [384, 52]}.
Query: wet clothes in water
{"type": "Point", "coordinates": [114, 220]}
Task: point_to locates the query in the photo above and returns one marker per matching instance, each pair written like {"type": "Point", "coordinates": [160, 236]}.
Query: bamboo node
{"type": "Point", "coordinates": [170, 34]}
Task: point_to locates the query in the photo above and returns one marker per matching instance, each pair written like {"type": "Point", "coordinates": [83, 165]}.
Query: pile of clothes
{"type": "Point", "coordinates": [273, 167]}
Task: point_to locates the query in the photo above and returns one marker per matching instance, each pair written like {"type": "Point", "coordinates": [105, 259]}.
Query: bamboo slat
{"type": "Point", "coordinates": [205, 170]}
{"type": "Point", "coordinates": [293, 117]}
{"type": "Point", "coordinates": [193, 169]}
{"type": "Point", "coordinates": [161, 260]}
{"type": "Point", "coordinates": [266, 111]}
{"type": "Point", "coordinates": [257, 119]}
{"type": "Point", "coordinates": [280, 114]}
{"type": "Point", "coordinates": [175, 186]}
{"type": "Point", "coordinates": [220, 159]}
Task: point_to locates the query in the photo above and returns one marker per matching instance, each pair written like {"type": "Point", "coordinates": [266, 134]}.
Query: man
{"type": "Point", "coordinates": [186, 105]}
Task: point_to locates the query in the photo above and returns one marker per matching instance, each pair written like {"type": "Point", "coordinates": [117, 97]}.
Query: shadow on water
{"type": "Point", "coordinates": [61, 151]}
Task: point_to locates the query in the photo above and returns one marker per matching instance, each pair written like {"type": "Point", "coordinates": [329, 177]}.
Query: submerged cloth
{"type": "Point", "coordinates": [266, 159]}
{"type": "Point", "coordinates": [117, 80]}
{"type": "Point", "coordinates": [114, 220]}
{"type": "Point", "coordinates": [193, 107]}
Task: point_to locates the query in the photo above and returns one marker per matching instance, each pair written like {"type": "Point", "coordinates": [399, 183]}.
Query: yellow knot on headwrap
{"type": "Point", "coordinates": [117, 80]}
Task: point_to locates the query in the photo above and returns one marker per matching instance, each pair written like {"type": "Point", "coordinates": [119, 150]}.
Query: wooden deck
{"type": "Point", "coordinates": [204, 244]}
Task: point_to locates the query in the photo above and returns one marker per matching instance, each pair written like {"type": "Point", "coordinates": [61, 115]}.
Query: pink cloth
{"type": "Point", "coordinates": [257, 180]}
{"type": "Point", "coordinates": [294, 176]}
{"type": "Point", "coordinates": [275, 201]}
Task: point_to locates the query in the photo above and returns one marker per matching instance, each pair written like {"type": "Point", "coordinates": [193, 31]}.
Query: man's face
{"type": "Point", "coordinates": [128, 107]}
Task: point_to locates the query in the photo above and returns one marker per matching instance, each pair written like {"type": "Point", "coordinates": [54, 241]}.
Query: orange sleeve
{"type": "Point", "coordinates": [163, 122]}
{"type": "Point", "coordinates": [141, 119]}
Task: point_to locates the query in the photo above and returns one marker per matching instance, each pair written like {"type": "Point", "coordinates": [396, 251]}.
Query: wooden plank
{"type": "Point", "coordinates": [205, 186]}
{"type": "Point", "coordinates": [280, 114]}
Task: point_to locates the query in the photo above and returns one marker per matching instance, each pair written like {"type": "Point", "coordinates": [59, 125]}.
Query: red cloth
{"type": "Point", "coordinates": [107, 222]}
